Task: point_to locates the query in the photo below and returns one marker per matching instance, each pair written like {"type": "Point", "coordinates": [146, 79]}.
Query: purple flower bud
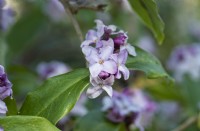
{"type": "Point", "coordinates": [51, 69]}
{"type": "Point", "coordinates": [104, 75]}
{"type": "Point", "coordinates": [120, 39]}
{"type": "Point", "coordinates": [5, 85]}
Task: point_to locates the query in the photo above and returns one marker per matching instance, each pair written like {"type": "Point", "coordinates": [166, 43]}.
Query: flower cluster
{"type": "Point", "coordinates": [131, 107]}
{"type": "Point", "coordinates": [185, 59]}
{"type": "Point", "coordinates": [53, 68]}
{"type": "Point", "coordinates": [106, 51]}
{"type": "Point", "coordinates": [5, 89]}
{"type": "Point", "coordinates": [7, 15]}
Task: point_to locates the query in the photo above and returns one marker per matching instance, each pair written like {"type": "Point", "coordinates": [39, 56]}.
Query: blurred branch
{"type": "Point", "coordinates": [100, 7]}
{"type": "Point", "coordinates": [69, 11]}
{"type": "Point", "coordinates": [186, 124]}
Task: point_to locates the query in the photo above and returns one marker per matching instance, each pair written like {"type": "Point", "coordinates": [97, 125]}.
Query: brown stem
{"type": "Point", "coordinates": [69, 11]}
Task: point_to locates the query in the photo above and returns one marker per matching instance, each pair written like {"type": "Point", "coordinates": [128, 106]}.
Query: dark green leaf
{"type": "Point", "coordinates": [26, 123]}
{"type": "Point", "coordinates": [148, 12]}
{"type": "Point", "coordinates": [147, 63]}
{"type": "Point", "coordinates": [57, 96]}
{"type": "Point", "coordinates": [11, 105]}
{"type": "Point", "coordinates": [99, 123]}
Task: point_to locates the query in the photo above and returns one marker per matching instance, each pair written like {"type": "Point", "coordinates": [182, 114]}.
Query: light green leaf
{"type": "Point", "coordinates": [148, 12]}
{"type": "Point", "coordinates": [147, 63]}
{"type": "Point", "coordinates": [99, 123]}
{"type": "Point", "coordinates": [26, 123]}
{"type": "Point", "coordinates": [57, 96]}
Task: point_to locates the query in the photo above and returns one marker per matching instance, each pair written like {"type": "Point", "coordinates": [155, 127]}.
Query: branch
{"type": "Point", "coordinates": [186, 124]}
{"type": "Point", "coordinates": [100, 7]}
{"type": "Point", "coordinates": [69, 11]}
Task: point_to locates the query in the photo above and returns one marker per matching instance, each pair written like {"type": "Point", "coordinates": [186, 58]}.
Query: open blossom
{"type": "Point", "coordinates": [130, 107]}
{"type": "Point", "coordinates": [106, 51]}
{"type": "Point", "coordinates": [185, 59]}
{"type": "Point", "coordinates": [5, 84]}
{"type": "Point", "coordinates": [53, 68]}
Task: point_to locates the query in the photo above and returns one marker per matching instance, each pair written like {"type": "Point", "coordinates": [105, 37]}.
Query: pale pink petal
{"type": "Point", "coordinates": [93, 56]}
{"type": "Point", "coordinates": [109, 42]}
{"type": "Point", "coordinates": [125, 71]}
{"type": "Point", "coordinates": [95, 69]}
{"type": "Point", "coordinates": [131, 50]}
{"type": "Point", "coordinates": [91, 35]}
{"type": "Point", "coordinates": [106, 52]}
{"type": "Point", "coordinates": [118, 75]}
{"type": "Point", "coordinates": [122, 57]}
{"type": "Point", "coordinates": [108, 89]}
{"type": "Point", "coordinates": [110, 66]}
{"type": "Point", "coordinates": [114, 57]}
{"type": "Point", "coordinates": [93, 92]}
{"type": "Point", "coordinates": [86, 43]}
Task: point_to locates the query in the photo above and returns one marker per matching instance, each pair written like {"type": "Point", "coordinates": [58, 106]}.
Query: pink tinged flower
{"type": "Point", "coordinates": [99, 85]}
{"type": "Point", "coordinates": [120, 59]}
{"type": "Point", "coordinates": [3, 108]}
{"type": "Point", "coordinates": [101, 62]}
{"type": "Point", "coordinates": [5, 84]}
{"type": "Point", "coordinates": [51, 69]}
{"type": "Point", "coordinates": [130, 49]}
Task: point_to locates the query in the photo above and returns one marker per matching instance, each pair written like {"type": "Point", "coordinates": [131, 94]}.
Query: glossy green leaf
{"type": "Point", "coordinates": [147, 63]}
{"type": "Point", "coordinates": [148, 12]}
{"type": "Point", "coordinates": [99, 123]}
{"type": "Point", "coordinates": [57, 96]}
{"type": "Point", "coordinates": [26, 123]}
{"type": "Point", "coordinates": [11, 106]}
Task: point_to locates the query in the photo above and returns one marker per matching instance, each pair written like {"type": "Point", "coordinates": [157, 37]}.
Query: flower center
{"type": "Point", "coordinates": [101, 61]}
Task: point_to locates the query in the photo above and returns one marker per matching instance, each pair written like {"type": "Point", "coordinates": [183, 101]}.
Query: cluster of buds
{"type": "Point", "coordinates": [129, 106]}
{"type": "Point", "coordinates": [5, 90]}
{"type": "Point", "coordinates": [51, 69]}
{"type": "Point", "coordinates": [106, 51]}
{"type": "Point", "coordinates": [185, 59]}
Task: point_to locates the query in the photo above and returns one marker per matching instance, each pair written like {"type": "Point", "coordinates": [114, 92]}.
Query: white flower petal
{"type": "Point", "coordinates": [106, 52]}
{"type": "Point", "coordinates": [122, 57]}
{"type": "Point", "coordinates": [110, 66]}
{"type": "Point", "coordinates": [124, 71]}
{"type": "Point", "coordinates": [108, 89]}
{"type": "Point", "coordinates": [93, 92]}
{"type": "Point", "coordinates": [95, 69]}
{"type": "Point", "coordinates": [3, 108]}
{"type": "Point", "coordinates": [131, 50]}
{"type": "Point", "coordinates": [86, 43]}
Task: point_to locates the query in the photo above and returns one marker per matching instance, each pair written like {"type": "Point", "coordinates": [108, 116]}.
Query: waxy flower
{"type": "Point", "coordinates": [99, 84]}
{"type": "Point", "coordinates": [53, 68]}
{"type": "Point", "coordinates": [185, 59]}
{"type": "Point", "coordinates": [129, 107]}
{"type": "Point", "coordinates": [5, 85]}
{"type": "Point", "coordinates": [106, 51]}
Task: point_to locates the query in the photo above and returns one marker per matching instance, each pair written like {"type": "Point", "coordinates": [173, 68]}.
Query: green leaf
{"type": "Point", "coordinates": [2, 51]}
{"type": "Point", "coordinates": [26, 123]}
{"type": "Point", "coordinates": [147, 63]}
{"type": "Point", "coordinates": [26, 29]}
{"type": "Point", "coordinates": [57, 96]}
{"type": "Point", "coordinates": [148, 12]}
{"type": "Point", "coordinates": [11, 105]}
{"type": "Point", "coordinates": [99, 123]}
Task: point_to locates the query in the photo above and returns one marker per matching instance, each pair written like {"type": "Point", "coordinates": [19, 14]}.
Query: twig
{"type": "Point", "coordinates": [100, 7]}
{"type": "Point", "coordinates": [73, 19]}
{"type": "Point", "coordinates": [186, 124]}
